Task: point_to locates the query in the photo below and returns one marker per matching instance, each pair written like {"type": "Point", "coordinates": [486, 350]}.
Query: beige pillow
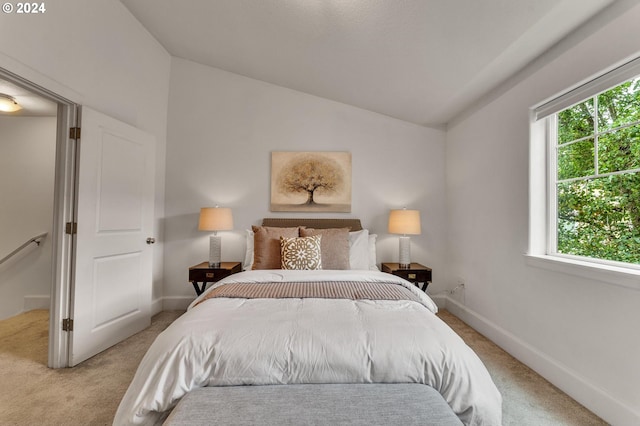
{"type": "Point", "coordinates": [301, 253]}
{"type": "Point", "coordinates": [266, 245]}
{"type": "Point", "coordinates": [335, 246]}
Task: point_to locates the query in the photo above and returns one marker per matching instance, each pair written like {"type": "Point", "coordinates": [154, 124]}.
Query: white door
{"type": "Point", "coordinates": [111, 295]}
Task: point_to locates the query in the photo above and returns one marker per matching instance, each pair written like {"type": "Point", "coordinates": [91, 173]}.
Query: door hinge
{"type": "Point", "coordinates": [71, 228]}
{"type": "Point", "coordinates": [67, 324]}
{"type": "Point", "coordinates": [74, 133]}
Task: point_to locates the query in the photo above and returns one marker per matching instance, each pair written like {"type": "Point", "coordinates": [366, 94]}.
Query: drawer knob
{"type": "Point", "coordinates": [412, 276]}
{"type": "Point", "coordinates": [209, 274]}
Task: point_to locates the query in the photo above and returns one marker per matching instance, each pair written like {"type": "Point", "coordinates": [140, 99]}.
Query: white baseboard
{"type": "Point", "coordinates": [37, 302]}
{"type": "Point", "coordinates": [595, 399]}
{"type": "Point", "coordinates": [156, 306]}
{"type": "Point", "coordinates": [176, 303]}
{"type": "Point", "coordinates": [440, 301]}
{"type": "Point", "coordinates": [44, 302]}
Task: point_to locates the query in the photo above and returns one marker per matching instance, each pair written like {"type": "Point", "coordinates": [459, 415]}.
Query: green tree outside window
{"type": "Point", "coordinates": [598, 176]}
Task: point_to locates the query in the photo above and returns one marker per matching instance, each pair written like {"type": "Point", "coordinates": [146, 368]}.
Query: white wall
{"type": "Point", "coordinates": [96, 54]}
{"type": "Point", "coordinates": [580, 333]}
{"type": "Point", "coordinates": [222, 130]}
{"type": "Point", "coordinates": [27, 158]}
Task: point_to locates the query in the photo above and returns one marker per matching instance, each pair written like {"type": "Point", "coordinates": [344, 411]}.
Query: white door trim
{"type": "Point", "coordinates": [64, 211]}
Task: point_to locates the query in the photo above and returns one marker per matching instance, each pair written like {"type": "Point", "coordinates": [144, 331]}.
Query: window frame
{"type": "Point", "coordinates": [542, 251]}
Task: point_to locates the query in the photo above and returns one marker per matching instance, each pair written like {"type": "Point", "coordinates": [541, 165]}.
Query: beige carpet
{"type": "Point", "coordinates": [89, 394]}
{"type": "Point", "coordinates": [527, 398]}
{"type": "Point", "coordinates": [32, 394]}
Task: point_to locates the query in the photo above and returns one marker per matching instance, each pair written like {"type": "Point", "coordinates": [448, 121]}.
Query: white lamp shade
{"type": "Point", "coordinates": [215, 219]}
{"type": "Point", "coordinates": [404, 222]}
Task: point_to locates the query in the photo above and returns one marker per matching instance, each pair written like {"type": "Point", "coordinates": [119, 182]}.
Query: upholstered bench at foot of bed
{"type": "Point", "coordinates": [325, 404]}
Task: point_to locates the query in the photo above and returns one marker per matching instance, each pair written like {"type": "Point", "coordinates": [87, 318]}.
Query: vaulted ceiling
{"type": "Point", "coordinates": [422, 61]}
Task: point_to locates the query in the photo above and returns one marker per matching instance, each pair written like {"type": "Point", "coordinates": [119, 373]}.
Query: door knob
{"type": "Point", "coordinates": [151, 240]}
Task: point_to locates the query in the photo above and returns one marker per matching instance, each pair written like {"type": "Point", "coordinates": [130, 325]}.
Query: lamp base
{"type": "Point", "coordinates": [405, 252]}
{"type": "Point", "coordinates": [215, 248]}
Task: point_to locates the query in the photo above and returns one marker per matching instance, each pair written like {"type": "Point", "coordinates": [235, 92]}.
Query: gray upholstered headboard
{"type": "Point", "coordinates": [353, 224]}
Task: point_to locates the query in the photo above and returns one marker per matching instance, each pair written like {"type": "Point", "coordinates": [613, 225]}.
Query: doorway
{"type": "Point", "coordinates": [27, 171]}
{"type": "Point", "coordinates": [46, 158]}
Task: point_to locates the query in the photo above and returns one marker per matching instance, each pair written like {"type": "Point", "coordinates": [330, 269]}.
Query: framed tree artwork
{"type": "Point", "coordinates": [311, 182]}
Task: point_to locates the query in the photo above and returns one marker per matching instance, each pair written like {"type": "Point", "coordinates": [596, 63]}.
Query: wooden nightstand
{"type": "Point", "coordinates": [418, 274]}
{"type": "Point", "coordinates": [201, 274]}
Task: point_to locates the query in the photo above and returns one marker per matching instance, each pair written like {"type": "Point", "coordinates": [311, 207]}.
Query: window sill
{"type": "Point", "coordinates": [620, 276]}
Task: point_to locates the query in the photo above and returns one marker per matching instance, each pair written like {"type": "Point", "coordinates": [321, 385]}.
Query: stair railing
{"type": "Point", "coordinates": [37, 239]}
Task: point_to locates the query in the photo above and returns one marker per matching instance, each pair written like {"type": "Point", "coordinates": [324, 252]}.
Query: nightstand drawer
{"type": "Point", "coordinates": [414, 276]}
{"type": "Point", "coordinates": [416, 273]}
{"type": "Point", "coordinates": [201, 274]}
{"type": "Point", "coordinates": [208, 275]}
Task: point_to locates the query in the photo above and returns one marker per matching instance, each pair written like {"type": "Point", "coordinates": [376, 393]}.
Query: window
{"type": "Point", "coordinates": [596, 176]}
{"type": "Point", "coordinates": [591, 151]}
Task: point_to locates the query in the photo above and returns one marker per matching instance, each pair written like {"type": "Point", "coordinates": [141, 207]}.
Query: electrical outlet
{"type": "Point", "coordinates": [459, 286]}
{"type": "Point", "coordinates": [458, 292]}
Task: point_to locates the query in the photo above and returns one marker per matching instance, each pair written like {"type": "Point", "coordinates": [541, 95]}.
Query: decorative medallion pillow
{"type": "Point", "coordinates": [301, 253]}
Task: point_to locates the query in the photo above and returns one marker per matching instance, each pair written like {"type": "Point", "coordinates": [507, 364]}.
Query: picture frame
{"type": "Point", "coordinates": [310, 181]}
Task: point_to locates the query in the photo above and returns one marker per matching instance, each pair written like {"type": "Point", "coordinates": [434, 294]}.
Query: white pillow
{"type": "Point", "coordinates": [359, 249]}
{"type": "Point", "coordinates": [248, 255]}
{"type": "Point", "coordinates": [373, 262]}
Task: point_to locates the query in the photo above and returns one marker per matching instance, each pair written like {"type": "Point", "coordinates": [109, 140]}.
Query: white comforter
{"type": "Point", "coordinates": [225, 341]}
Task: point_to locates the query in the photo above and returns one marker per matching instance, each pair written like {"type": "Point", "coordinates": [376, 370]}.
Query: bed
{"type": "Point", "coordinates": [274, 326]}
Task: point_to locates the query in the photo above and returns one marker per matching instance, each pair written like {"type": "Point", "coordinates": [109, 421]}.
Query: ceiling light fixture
{"type": "Point", "coordinates": [8, 104]}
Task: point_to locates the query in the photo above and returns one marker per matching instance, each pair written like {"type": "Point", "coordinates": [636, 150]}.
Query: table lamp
{"type": "Point", "coordinates": [404, 222]}
{"type": "Point", "coordinates": [215, 219]}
